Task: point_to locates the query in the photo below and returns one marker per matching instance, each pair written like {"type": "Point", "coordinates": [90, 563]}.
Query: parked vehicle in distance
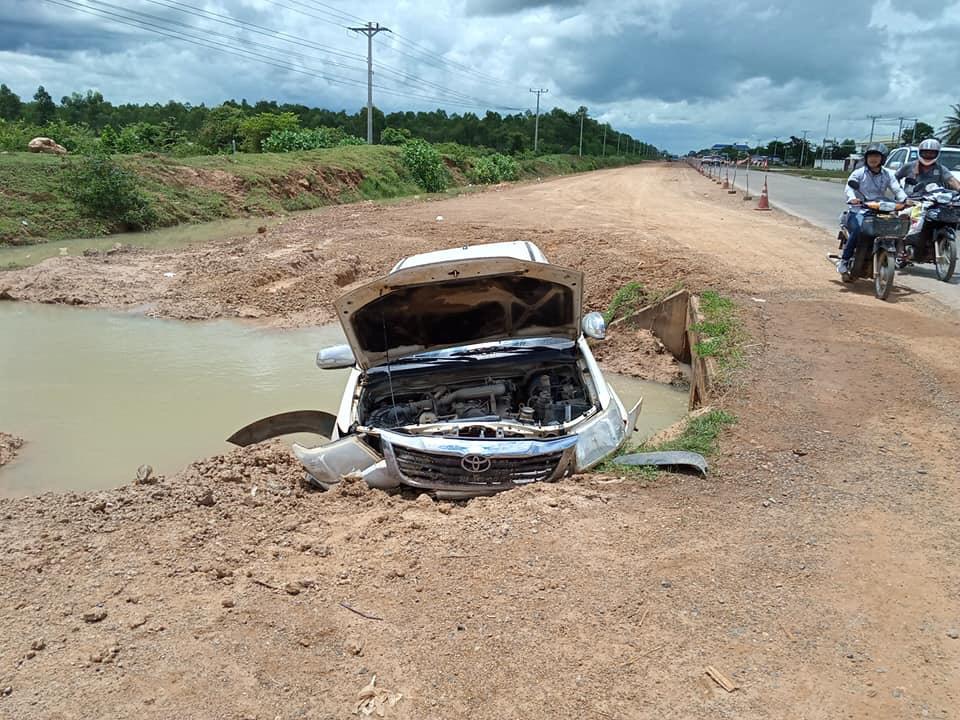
{"type": "Point", "coordinates": [949, 157]}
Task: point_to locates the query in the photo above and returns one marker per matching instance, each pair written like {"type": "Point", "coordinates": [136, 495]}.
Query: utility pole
{"type": "Point", "coordinates": [604, 140]}
{"type": "Point", "coordinates": [536, 124]}
{"type": "Point", "coordinates": [580, 151]}
{"type": "Point", "coordinates": [618, 143]}
{"type": "Point", "coordinates": [370, 30]}
{"type": "Point", "coordinates": [873, 123]}
{"type": "Point", "coordinates": [803, 147]}
{"type": "Point", "coordinates": [900, 130]}
{"type": "Point", "coordinates": [823, 147]}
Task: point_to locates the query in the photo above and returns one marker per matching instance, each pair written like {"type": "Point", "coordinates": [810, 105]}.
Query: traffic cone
{"type": "Point", "coordinates": [726, 181]}
{"type": "Point", "coordinates": [764, 203]}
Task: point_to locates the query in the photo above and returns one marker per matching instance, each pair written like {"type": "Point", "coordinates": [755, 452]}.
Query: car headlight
{"type": "Point", "coordinates": [599, 436]}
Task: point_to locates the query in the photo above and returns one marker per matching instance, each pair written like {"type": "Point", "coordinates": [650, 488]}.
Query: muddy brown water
{"type": "Point", "coordinates": [95, 394]}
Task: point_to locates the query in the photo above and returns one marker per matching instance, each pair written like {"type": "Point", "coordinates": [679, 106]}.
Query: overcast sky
{"type": "Point", "coordinates": [682, 74]}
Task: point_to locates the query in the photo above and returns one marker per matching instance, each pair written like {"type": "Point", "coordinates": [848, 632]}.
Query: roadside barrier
{"type": "Point", "coordinates": [726, 181]}
{"type": "Point", "coordinates": [764, 203]}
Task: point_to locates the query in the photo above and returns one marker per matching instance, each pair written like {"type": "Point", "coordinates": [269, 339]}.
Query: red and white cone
{"type": "Point", "coordinates": [764, 203]}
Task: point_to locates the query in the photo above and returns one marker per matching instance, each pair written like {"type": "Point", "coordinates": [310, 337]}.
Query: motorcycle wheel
{"type": "Point", "coordinates": [945, 265]}
{"type": "Point", "coordinates": [883, 280]}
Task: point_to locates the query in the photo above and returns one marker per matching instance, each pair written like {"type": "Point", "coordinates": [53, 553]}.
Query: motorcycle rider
{"type": "Point", "coordinates": [875, 182]}
{"type": "Point", "coordinates": [927, 169]}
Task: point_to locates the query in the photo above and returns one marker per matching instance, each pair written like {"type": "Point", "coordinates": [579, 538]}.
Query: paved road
{"type": "Point", "coordinates": [820, 202]}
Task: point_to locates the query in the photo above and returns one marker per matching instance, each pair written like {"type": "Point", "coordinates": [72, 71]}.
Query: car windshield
{"type": "Point", "coordinates": [951, 160]}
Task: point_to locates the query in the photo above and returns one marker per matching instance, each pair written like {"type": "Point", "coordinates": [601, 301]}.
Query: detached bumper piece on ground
{"type": "Point", "coordinates": [470, 374]}
{"type": "Point", "coordinates": [676, 458]}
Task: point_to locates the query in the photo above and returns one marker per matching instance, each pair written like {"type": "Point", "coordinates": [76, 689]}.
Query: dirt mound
{"type": "Point", "coordinates": [9, 444]}
{"type": "Point", "coordinates": [637, 353]}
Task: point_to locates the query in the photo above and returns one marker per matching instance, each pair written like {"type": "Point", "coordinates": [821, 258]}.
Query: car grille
{"type": "Point", "coordinates": [425, 467]}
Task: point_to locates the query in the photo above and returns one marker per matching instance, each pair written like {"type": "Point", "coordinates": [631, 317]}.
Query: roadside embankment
{"type": "Point", "coordinates": [36, 206]}
{"type": "Point", "coordinates": [9, 444]}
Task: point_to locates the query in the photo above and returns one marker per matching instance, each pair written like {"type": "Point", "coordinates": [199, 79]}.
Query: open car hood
{"type": "Point", "coordinates": [447, 304]}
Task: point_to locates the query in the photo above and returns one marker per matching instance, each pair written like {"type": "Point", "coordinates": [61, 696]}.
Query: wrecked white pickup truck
{"type": "Point", "coordinates": [471, 374]}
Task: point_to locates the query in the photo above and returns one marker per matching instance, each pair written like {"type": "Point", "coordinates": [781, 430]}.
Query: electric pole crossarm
{"type": "Point", "coordinates": [370, 30]}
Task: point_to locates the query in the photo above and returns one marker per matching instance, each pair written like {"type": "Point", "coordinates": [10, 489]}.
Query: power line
{"type": "Point", "coordinates": [330, 10]}
{"type": "Point", "coordinates": [294, 40]}
{"type": "Point", "coordinates": [244, 53]}
{"type": "Point", "coordinates": [429, 53]}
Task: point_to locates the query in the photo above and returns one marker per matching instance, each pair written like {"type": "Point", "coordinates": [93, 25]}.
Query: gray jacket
{"type": "Point", "coordinates": [874, 187]}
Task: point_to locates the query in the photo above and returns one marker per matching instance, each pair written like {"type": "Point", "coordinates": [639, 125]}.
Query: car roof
{"type": "Point", "coordinates": [518, 250]}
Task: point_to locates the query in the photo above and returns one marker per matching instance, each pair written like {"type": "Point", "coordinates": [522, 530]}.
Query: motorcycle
{"type": "Point", "coordinates": [932, 237]}
{"type": "Point", "coordinates": [874, 260]}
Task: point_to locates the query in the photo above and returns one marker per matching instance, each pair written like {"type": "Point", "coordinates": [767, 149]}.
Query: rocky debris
{"type": "Point", "coordinates": [145, 476]}
{"type": "Point", "coordinates": [228, 603]}
{"type": "Point", "coordinates": [99, 505]}
{"type": "Point", "coordinates": [9, 444]}
{"type": "Point", "coordinates": [350, 486]}
{"type": "Point", "coordinates": [953, 633]}
{"type": "Point", "coordinates": [206, 498]}
{"type": "Point", "coordinates": [46, 145]}
{"type": "Point", "coordinates": [95, 615]}
{"type": "Point", "coordinates": [373, 700]}
{"type": "Point", "coordinates": [38, 645]}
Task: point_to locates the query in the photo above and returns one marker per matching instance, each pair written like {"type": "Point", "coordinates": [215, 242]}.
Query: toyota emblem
{"type": "Point", "coordinates": [475, 463]}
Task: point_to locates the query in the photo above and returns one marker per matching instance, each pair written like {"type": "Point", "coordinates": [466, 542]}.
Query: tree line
{"type": "Point", "coordinates": [86, 121]}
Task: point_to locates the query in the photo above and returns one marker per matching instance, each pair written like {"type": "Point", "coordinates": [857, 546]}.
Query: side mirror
{"type": "Point", "coordinates": [336, 357]}
{"type": "Point", "coordinates": [594, 326]}
{"type": "Point", "coordinates": [855, 184]}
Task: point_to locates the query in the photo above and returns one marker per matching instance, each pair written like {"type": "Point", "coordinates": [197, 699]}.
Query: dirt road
{"type": "Point", "coordinates": [816, 568]}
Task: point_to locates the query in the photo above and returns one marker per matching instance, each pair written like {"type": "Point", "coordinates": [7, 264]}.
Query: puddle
{"type": "Point", "coordinates": [169, 238]}
{"type": "Point", "coordinates": [95, 394]}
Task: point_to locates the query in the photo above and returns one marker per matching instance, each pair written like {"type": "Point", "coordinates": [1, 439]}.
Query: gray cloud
{"type": "Point", "coordinates": [680, 73]}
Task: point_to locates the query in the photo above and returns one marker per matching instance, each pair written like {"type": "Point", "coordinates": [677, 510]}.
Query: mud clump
{"type": "Point", "coordinates": [639, 354]}
{"type": "Point", "coordinates": [9, 445]}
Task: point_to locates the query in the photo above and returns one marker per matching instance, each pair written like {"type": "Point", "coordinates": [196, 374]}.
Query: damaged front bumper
{"type": "Point", "coordinates": [455, 467]}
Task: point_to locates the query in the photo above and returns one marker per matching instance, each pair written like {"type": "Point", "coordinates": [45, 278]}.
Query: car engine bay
{"type": "Point", "coordinates": [541, 395]}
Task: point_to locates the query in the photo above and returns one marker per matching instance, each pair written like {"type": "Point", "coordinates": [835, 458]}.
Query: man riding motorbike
{"type": "Point", "coordinates": [927, 169]}
{"type": "Point", "coordinates": [874, 182]}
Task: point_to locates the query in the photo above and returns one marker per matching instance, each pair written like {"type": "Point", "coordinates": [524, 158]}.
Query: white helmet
{"type": "Point", "coordinates": [929, 151]}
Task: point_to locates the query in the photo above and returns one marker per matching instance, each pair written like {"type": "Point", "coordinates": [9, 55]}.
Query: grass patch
{"type": "Point", "coordinates": [626, 301]}
{"type": "Point", "coordinates": [700, 436]}
{"type": "Point", "coordinates": [721, 331]}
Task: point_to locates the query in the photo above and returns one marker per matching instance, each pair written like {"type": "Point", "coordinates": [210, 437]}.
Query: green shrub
{"type": "Point", "coordinates": [424, 163]}
{"type": "Point", "coordinates": [394, 136]}
{"type": "Point", "coordinates": [483, 171]}
{"type": "Point", "coordinates": [257, 128]}
{"type": "Point", "coordinates": [308, 139]}
{"type": "Point", "coordinates": [105, 191]}
{"type": "Point", "coordinates": [507, 167]}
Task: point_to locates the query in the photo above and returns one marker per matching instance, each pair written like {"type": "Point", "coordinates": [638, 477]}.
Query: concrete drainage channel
{"type": "Point", "coordinates": [674, 321]}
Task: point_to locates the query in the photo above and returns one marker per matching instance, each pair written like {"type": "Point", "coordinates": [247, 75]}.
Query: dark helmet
{"type": "Point", "coordinates": [878, 148]}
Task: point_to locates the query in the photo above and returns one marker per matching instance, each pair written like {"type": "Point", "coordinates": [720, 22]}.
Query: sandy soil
{"type": "Point", "coordinates": [816, 567]}
{"type": "Point", "coordinates": [9, 444]}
